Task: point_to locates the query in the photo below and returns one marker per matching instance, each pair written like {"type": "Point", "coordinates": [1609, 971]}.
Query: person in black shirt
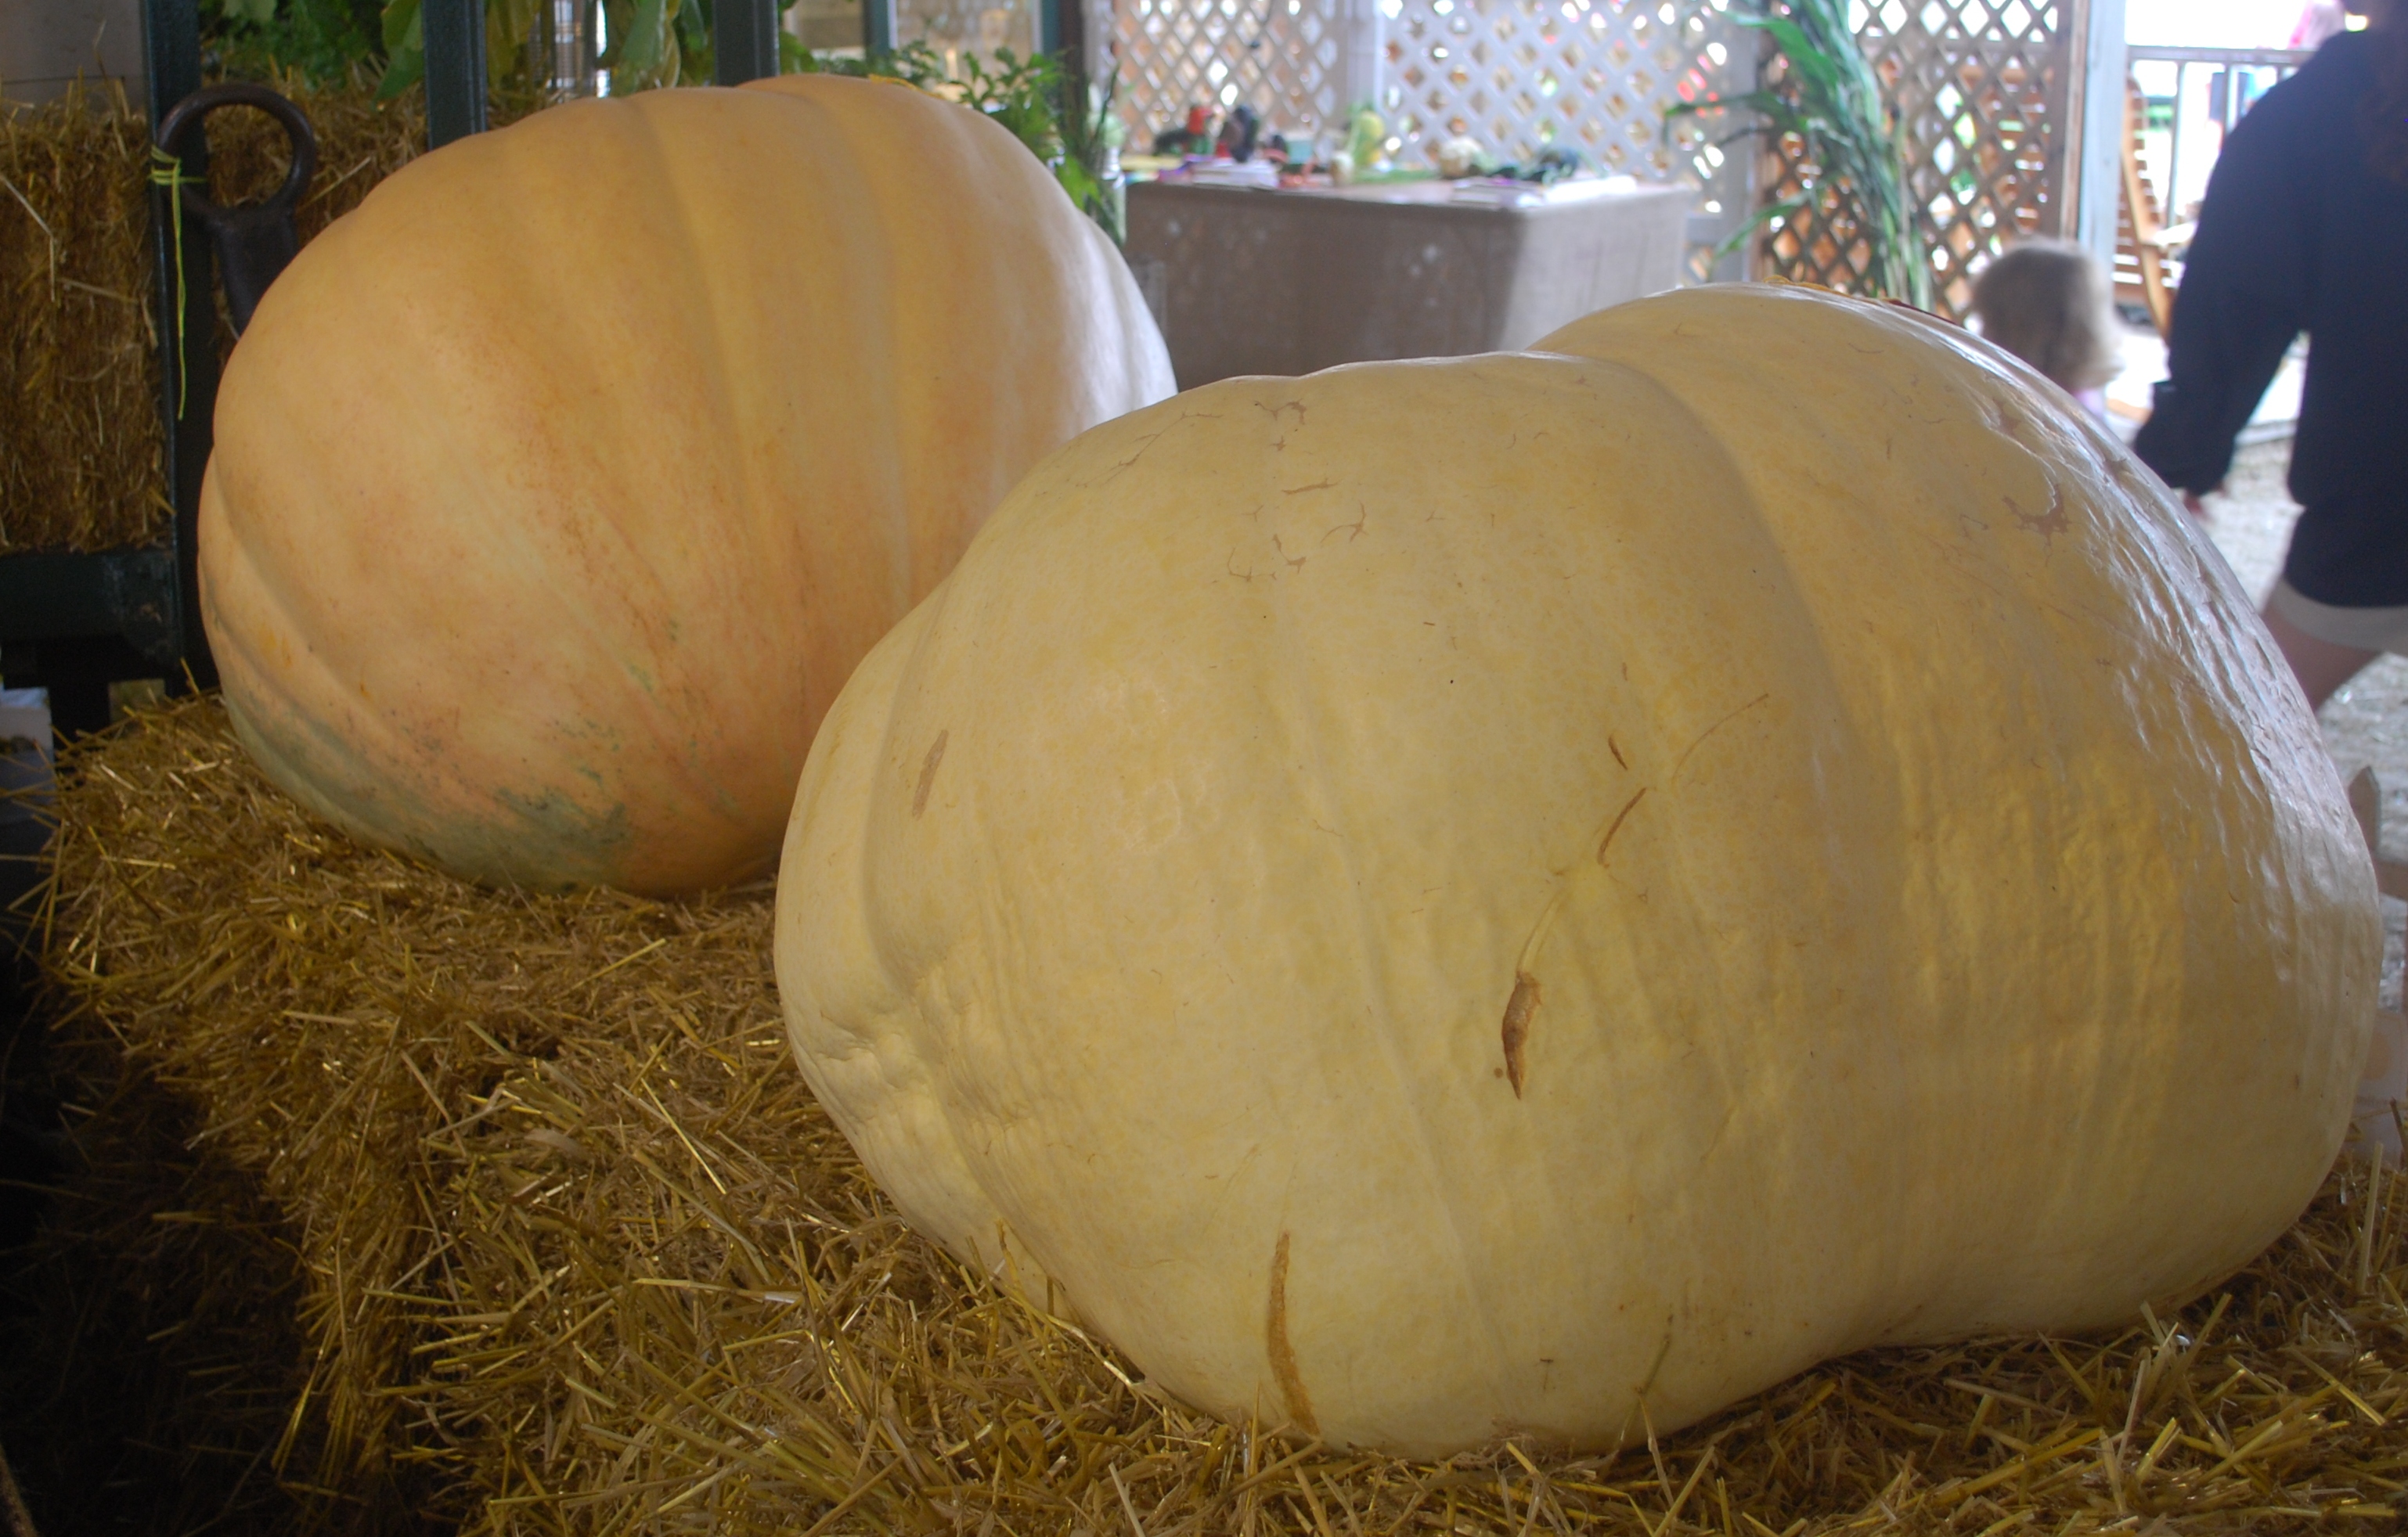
{"type": "Point", "coordinates": [2305, 228]}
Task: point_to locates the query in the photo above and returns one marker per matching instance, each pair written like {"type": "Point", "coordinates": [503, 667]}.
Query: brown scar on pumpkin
{"type": "Point", "coordinates": [1283, 1354]}
{"type": "Point", "coordinates": [2048, 525]}
{"type": "Point", "coordinates": [1619, 818]}
{"type": "Point", "coordinates": [928, 773]}
{"type": "Point", "coordinates": [1516, 1033]}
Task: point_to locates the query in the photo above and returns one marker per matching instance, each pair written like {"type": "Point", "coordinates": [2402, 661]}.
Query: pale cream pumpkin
{"type": "Point", "coordinates": [558, 489]}
{"type": "Point", "coordinates": [1548, 892]}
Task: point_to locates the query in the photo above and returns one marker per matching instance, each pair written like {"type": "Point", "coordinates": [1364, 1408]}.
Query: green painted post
{"type": "Point", "coordinates": [188, 353]}
{"type": "Point", "coordinates": [454, 31]}
{"type": "Point", "coordinates": [743, 41]}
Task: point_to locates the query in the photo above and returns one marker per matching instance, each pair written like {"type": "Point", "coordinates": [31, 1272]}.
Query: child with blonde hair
{"type": "Point", "coordinates": [2050, 304]}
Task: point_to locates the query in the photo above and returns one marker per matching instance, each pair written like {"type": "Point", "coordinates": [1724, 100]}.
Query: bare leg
{"type": "Point", "coordinates": [2320, 665]}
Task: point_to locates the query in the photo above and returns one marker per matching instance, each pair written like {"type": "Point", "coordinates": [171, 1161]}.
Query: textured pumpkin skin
{"type": "Point", "coordinates": [1926, 904]}
{"type": "Point", "coordinates": [558, 489]}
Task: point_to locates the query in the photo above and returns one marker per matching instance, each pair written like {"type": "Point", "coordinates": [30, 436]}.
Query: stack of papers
{"type": "Point", "coordinates": [1491, 192]}
{"type": "Point", "coordinates": [1231, 173]}
{"type": "Point", "coordinates": [1503, 193]}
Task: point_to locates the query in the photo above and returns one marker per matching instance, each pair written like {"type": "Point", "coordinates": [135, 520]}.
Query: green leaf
{"type": "Point", "coordinates": [1759, 219]}
{"type": "Point", "coordinates": [405, 50]}
{"type": "Point", "coordinates": [1829, 96]}
{"type": "Point", "coordinates": [647, 38]}
{"type": "Point", "coordinates": [1078, 182]}
{"type": "Point", "coordinates": [1818, 67]}
{"type": "Point", "coordinates": [1767, 103]}
{"type": "Point", "coordinates": [407, 68]}
{"type": "Point", "coordinates": [401, 25]}
{"type": "Point", "coordinates": [507, 25]}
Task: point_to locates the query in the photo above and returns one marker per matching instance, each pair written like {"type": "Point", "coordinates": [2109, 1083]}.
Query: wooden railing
{"type": "Point", "coordinates": [2239, 77]}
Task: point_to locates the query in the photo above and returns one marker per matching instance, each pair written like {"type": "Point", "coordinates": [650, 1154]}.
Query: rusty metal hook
{"type": "Point", "coordinates": [253, 240]}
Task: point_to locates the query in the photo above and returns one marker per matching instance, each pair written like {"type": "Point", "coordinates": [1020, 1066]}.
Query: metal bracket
{"type": "Point", "coordinates": [255, 241]}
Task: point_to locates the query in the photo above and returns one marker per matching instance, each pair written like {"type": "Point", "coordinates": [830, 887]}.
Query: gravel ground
{"type": "Point", "coordinates": [2365, 723]}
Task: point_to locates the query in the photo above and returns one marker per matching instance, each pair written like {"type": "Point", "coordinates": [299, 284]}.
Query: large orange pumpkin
{"type": "Point", "coordinates": [559, 487]}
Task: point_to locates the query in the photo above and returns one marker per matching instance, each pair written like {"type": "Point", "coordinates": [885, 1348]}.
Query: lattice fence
{"type": "Point", "coordinates": [1520, 76]}
{"type": "Point", "coordinates": [1982, 86]}
{"type": "Point", "coordinates": [1515, 74]}
{"type": "Point", "coordinates": [1279, 57]}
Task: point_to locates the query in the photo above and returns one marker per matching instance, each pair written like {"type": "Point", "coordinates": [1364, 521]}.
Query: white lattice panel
{"type": "Point", "coordinates": [1279, 57]}
{"type": "Point", "coordinates": [1519, 75]}
{"type": "Point", "coordinates": [1515, 74]}
{"type": "Point", "coordinates": [1981, 85]}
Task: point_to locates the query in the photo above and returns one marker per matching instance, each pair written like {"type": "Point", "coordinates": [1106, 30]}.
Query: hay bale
{"type": "Point", "coordinates": [79, 438]}
{"type": "Point", "coordinates": [79, 434]}
{"type": "Point", "coordinates": [576, 1246]}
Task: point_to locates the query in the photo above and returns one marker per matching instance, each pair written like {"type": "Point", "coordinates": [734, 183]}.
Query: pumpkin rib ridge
{"type": "Point", "coordinates": [677, 748]}
{"type": "Point", "coordinates": [1308, 709]}
{"type": "Point", "coordinates": [1294, 666]}
{"type": "Point", "coordinates": [1821, 701]}
{"type": "Point", "coordinates": [838, 750]}
{"type": "Point", "coordinates": [552, 303]}
{"type": "Point", "coordinates": [896, 485]}
{"type": "Point", "coordinates": [763, 514]}
{"type": "Point", "coordinates": [904, 983]}
{"type": "Point", "coordinates": [902, 980]}
{"type": "Point", "coordinates": [725, 412]}
{"type": "Point", "coordinates": [877, 394]}
{"type": "Point", "coordinates": [995, 916]}
{"type": "Point", "coordinates": [1884, 760]}
{"type": "Point", "coordinates": [2155, 632]}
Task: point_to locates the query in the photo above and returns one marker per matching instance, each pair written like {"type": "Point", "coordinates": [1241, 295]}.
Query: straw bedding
{"type": "Point", "coordinates": [559, 1242]}
{"type": "Point", "coordinates": [78, 398]}
{"type": "Point", "coordinates": [79, 435]}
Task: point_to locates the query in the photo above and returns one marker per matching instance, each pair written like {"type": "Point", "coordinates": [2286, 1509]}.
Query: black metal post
{"type": "Point", "coordinates": [877, 25]}
{"type": "Point", "coordinates": [187, 315]}
{"type": "Point", "coordinates": [743, 41]}
{"type": "Point", "coordinates": [1065, 21]}
{"type": "Point", "coordinates": [454, 32]}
